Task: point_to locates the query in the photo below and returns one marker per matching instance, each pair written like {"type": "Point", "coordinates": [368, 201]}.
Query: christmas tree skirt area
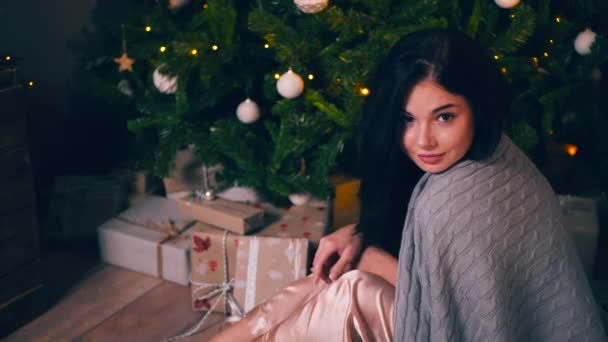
{"type": "Point", "coordinates": [114, 304]}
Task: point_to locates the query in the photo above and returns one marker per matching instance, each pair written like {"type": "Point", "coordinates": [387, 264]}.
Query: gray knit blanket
{"type": "Point", "coordinates": [485, 257]}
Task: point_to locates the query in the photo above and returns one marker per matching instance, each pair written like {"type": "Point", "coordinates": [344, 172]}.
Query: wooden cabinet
{"type": "Point", "coordinates": [19, 235]}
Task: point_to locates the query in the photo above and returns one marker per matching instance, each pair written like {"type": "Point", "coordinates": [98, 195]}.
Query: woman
{"type": "Point", "coordinates": [483, 253]}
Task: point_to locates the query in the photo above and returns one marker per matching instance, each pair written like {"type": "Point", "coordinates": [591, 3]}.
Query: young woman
{"type": "Point", "coordinates": [483, 254]}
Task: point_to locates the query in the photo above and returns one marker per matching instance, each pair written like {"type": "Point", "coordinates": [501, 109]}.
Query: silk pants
{"type": "Point", "coordinates": [358, 306]}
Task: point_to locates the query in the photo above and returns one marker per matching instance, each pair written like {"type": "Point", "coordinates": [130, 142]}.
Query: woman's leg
{"type": "Point", "coordinates": [357, 306]}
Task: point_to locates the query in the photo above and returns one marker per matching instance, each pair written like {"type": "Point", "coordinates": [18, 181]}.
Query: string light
{"type": "Point", "coordinates": [205, 5]}
{"type": "Point", "coordinates": [503, 70]}
{"type": "Point", "coordinates": [163, 49]}
{"type": "Point", "coordinates": [215, 47]}
{"type": "Point", "coordinates": [266, 46]}
{"type": "Point", "coordinates": [193, 52]}
{"type": "Point", "coordinates": [551, 132]}
{"type": "Point", "coordinates": [277, 76]}
{"type": "Point", "coordinates": [338, 80]}
{"type": "Point", "coordinates": [571, 149]}
{"type": "Point", "coordinates": [512, 16]}
{"type": "Point", "coordinates": [558, 19]}
{"type": "Point", "coordinates": [311, 76]}
{"type": "Point", "coordinates": [496, 57]}
{"type": "Point", "coordinates": [535, 59]}
{"type": "Point", "coordinates": [8, 58]}
{"type": "Point", "coordinates": [364, 91]}
{"type": "Point", "coordinates": [30, 83]}
{"type": "Point", "coordinates": [551, 41]}
{"type": "Point", "coordinates": [546, 54]}
{"type": "Point", "coordinates": [148, 28]}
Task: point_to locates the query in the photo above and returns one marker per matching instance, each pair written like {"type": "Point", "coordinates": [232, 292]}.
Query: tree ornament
{"type": "Point", "coordinates": [248, 111]}
{"type": "Point", "coordinates": [125, 88]}
{"type": "Point", "coordinates": [125, 63]}
{"type": "Point", "coordinates": [584, 41]}
{"type": "Point", "coordinates": [290, 85]}
{"type": "Point", "coordinates": [176, 4]}
{"type": "Point", "coordinates": [311, 6]}
{"type": "Point", "coordinates": [506, 3]}
{"type": "Point", "coordinates": [165, 84]}
{"type": "Point", "coordinates": [299, 199]}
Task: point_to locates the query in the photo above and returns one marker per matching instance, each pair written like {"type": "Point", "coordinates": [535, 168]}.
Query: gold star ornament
{"type": "Point", "coordinates": [124, 62]}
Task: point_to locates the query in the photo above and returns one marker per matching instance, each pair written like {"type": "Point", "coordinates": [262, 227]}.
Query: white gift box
{"type": "Point", "coordinates": [581, 220]}
{"type": "Point", "coordinates": [140, 239]}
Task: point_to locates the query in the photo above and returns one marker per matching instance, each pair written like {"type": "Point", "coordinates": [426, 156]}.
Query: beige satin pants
{"type": "Point", "coordinates": [358, 306]}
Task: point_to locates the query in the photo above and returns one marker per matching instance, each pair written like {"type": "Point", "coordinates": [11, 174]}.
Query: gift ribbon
{"type": "Point", "coordinates": [225, 288]}
{"type": "Point", "coordinates": [171, 231]}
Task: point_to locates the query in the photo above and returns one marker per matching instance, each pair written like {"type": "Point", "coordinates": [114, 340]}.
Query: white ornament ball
{"type": "Point", "coordinates": [584, 41]}
{"type": "Point", "coordinates": [506, 3]}
{"type": "Point", "coordinates": [125, 88]}
{"type": "Point", "coordinates": [248, 111]}
{"type": "Point", "coordinates": [175, 4]}
{"type": "Point", "coordinates": [290, 85]}
{"type": "Point", "coordinates": [311, 6]}
{"type": "Point", "coordinates": [299, 199]}
{"type": "Point", "coordinates": [165, 84]}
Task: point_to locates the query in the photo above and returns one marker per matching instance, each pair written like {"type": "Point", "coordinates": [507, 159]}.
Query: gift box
{"type": "Point", "coordinates": [236, 217]}
{"type": "Point", "coordinates": [346, 204]}
{"type": "Point", "coordinates": [187, 175]}
{"type": "Point", "coordinates": [151, 237]}
{"type": "Point", "coordinates": [266, 265]}
{"type": "Point", "coordinates": [310, 222]}
{"type": "Point", "coordinates": [581, 220]}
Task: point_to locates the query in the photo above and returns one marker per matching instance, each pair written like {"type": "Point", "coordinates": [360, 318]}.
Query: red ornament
{"type": "Point", "coordinates": [201, 245]}
{"type": "Point", "coordinates": [202, 304]}
{"type": "Point", "coordinates": [213, 265]}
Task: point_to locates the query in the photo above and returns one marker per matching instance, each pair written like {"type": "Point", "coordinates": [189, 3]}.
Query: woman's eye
{"type": "Point", "coordinates": [445, 117]}
{"type": "Point", "coordinates": [406, 119]}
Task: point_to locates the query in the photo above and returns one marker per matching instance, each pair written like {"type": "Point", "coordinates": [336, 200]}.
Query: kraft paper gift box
{"type": "Point", "coordinates": [310, 222]}
{"type": "Point", "coordinates": [265, 265]}
{"type": "Point", "coordinates": [581, 220]}
{"type": "Point", "coordinates": [236, 217]}
{"type": "Point", "coordinates": [151, 237]}
{"type": "Point", "coordinates": [211, 272]}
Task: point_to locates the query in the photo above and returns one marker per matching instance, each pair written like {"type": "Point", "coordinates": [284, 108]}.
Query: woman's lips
{"type": "Point", "coordinates": [430, 158]}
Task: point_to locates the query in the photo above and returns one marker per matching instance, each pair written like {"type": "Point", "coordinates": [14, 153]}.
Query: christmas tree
{"type": "Point", "coordinates": [272, 89]}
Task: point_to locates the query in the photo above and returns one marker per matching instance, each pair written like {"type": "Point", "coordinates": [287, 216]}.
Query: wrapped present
{"type": "Point", "coordinates": [236, 217]}
{"type": "Point", "coordinates": [265, 265]}
{"type": "Point", "coordinates": [346, 204]}
{"type": "Point", "coordinates": [151, 237]}
{"type": "Point", "coordinates": [187, 175]}
{"type": "Point", "coordinates": [581, 220]}
{"type": "Point", "coordinates": [310, 222]}
{"type": "Point", "coordinates": [214, 265]}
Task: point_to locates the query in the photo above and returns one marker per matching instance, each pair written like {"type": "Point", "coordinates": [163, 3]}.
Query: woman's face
{"type": "Point", "coordinates": [438, 127]}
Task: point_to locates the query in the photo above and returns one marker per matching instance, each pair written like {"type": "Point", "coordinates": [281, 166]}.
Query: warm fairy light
{"type": "Point", "coordinates": [205, 5]}
{"type": "Point", "coordinates": [503, 70]}
{"type": "Point", "coordinates": [277, 76]}
{"type": "Point", "coordinates": [215, 47]}
{"type": "Point", "coordinates": [558, 19]}
{"type": "Point", "coordinates": [148, 28]}
{"type": "Point", "coordinates": [535, 59]}
{"type": "Point", "coordinates": [546, 54]}
{"type": "Point", "coordinates": [512, 16]}
{"type": "Point", "coordinates": [266, 46]}
{"type": "Point", "coordinates": [193, 52]}
{"type": "Point", "coordinates": [551, 41]}
{"type": "Point", "coordinates": [338, 80]}
{"type": "Point", "coordinates": [163, 49]}
{"type": "Point", "coordinates": [8, 58]}
{"type": "Point", "coordinates": [571, 149]}
{"type": "Point", "coordinates": [364, 91]}
{"type": "Point", "coordinates": [311, 76]}
{"type": "Point", "coordinates": [496, 57]}
{"type": "Point", "coordinates": [30, 83]}
{"type": "Point", "coordinates": [551, 132]}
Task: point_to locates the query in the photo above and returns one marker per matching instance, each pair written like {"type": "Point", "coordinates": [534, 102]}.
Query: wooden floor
{"type": "Point", "coordinates": [114, 304]}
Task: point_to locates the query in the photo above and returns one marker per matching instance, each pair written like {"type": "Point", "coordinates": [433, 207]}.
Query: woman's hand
{"type": "Point", "coordinates": [337, 254]}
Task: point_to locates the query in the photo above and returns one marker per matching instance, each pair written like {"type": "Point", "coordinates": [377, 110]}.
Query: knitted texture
{"type": "Point", "coordinates": [484, 257]}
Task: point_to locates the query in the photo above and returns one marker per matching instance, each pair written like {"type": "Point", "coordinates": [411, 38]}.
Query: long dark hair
{"type": "Point", "coordinates": [388, 177]}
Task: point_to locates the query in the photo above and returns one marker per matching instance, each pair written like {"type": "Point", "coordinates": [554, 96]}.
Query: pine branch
{"type": "Point", "coordinates": [521, 28]}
